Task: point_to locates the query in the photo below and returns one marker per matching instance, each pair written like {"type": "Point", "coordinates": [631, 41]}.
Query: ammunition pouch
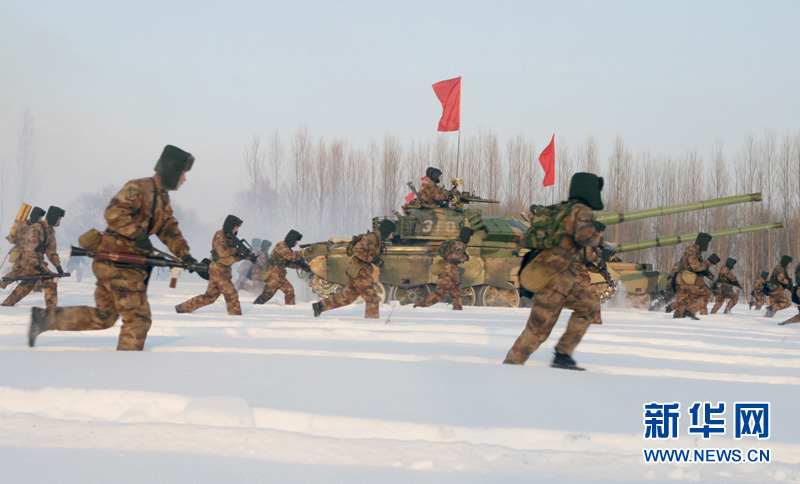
{"type": "Point", "coordinates": [90, 240]}
{"type": "Point", "coordinates": [688, 277]}
{"type": "Point", "coordinates": [353, 270]}
{"type": "Point", "coordinates": [534, 276]}
{"type": "Point", "coordinates": [226, 261]}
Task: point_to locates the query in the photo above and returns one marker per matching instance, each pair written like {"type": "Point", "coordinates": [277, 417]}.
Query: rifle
{"type": "Point", "coordinates": [141, 260]}
{"type": "Point", "coordinates": [244, 250]}
{"type": "Point", "coordinates": [34, 277]}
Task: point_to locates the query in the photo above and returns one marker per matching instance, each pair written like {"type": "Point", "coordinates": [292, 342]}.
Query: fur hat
{"type": "Point", "coordinates": [172, 164]}
{"type": "Point", "coordinates": [730, 262]}
{"type": "Point", "coordinates": [36, 214]}
{"type": "Point", "coordinates": [53, 214]}
{"type": "Point", "coordinates": [292, 237]}
{"type": "Point", "coordinates": [713, 259]}
{"type": "Point", "coordinates": [702, 241]}
{"type": "Point", "coordinates": [386, 227]}
{"type": "Point", "coordinates": [231, 221]}
{"type": "Point", "coordinates": [586, 187]}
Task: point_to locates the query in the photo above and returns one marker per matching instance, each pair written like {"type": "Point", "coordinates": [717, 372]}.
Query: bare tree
{"type": "Point", "coordinates": [27, 175]}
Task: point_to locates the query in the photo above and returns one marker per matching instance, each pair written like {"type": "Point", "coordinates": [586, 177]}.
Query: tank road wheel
{"type": "Point", "coordinates": [638, 301]}
{"type": "Point", "coordinates": [468, 296]}
{"type": "Point", "coordinates": [323, 288]}
{"type": "Point", "coordinates": [605, 291]}
{"type": "Point", "coordinates": [411, 295]}
{"type": "Point", "coordinates": [507, 297]}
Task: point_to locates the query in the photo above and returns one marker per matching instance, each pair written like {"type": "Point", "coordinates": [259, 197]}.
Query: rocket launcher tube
{"type": "Point", "coordinates": [678, 239]}
{"type": "Point", "coordinates": [24, 211]}
{"type": "Point", "coordinates": [612, 218]}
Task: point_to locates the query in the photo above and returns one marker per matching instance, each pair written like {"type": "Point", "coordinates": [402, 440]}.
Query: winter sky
{"type": "Point", "coordinates": [110, 83]}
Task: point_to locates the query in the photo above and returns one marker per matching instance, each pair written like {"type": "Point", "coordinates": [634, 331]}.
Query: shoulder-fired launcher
{"type": "Point", "coordinates": [611, 218]}
{"type": "Point", "coordinates": [678, 239]}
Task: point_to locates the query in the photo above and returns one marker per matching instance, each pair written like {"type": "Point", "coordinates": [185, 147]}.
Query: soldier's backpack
{"type": "Point", "coordinates": [356, 239]}
{"type": "Point", "coordinates": [446, 248]}
{"type": "Point", "coordinates": [547, 228]}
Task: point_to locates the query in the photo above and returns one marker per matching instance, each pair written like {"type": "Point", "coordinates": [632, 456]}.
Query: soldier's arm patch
{"type": "Point", "coordinates": [132, 194]}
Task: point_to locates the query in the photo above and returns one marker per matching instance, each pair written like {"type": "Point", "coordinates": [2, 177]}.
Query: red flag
{"type": "Point", "coordinates": [449, 93]}
{"type": "Point", "coordinates": [410, 197]}
{"type": "Point", "coordinates": [548, 161]}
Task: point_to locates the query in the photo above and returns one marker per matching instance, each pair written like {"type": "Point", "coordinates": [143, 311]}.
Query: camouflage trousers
{"type": "Point", "coordinates": [720, 300]}
{"type": "Point", "coordinates": [362, 285]}
{"type": "Point", "coordinates": [50, 286]}
{"type": "Point", "coordinates": [219, 282]}
{"type": "Point", "coordinates": [692, 298]}
{"type": "Point", "coordinates": [547, 305]}
{"type": "Point", "coordinates": [449, 283]}
{"type": "Point", "coordinates": [759, 300]}
{"type": "Point", "coordinates": [120, 292]}
{"type": "Point", "coordinates": [275, 281]}
{"type": "Point", "coordinates": [779, 300]}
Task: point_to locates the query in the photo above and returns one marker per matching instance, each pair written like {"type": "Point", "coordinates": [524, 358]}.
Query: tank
{"type": "Point", "coordinates": [491, 275]}
{"type": "Point", "coordinates": [640, 283]}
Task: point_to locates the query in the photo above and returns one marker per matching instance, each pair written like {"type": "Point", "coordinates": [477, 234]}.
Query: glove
{"type": "Point", "coordinates": [599, 226]}
{"type": "Point", "coordinates": [142, 241]}
{"type": "Point", "coordinates": [60, 270]}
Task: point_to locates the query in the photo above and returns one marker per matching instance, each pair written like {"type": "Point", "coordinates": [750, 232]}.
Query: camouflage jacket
{"type": "Point", "coordinates": [131, 213]}
{"type": "Point", "coordinates": [19, 236]}
{"type": "Point", "coordinates": [779, 278]}
{"type": "Point", "coordinates": [283, 255]}
{"type": "Point", "coordinates": [726, 277]}
{"type": "Point", "coordinates": [40, 240]}
{"type": "Point", "coordinates": [692, 260]}
{"type": "Point", "coordinates": [458, 252]}
{"type": "Point", "coordinates": [367, 252]}
{"type": "Point", "coordinates": [223, 249]}
{"type": "Point", "coordinates": [431, 193]}
{"type": "Point", "coordinates": [759, 284]}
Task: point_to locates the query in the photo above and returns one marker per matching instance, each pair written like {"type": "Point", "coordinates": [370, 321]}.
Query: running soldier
{"type": "Point", "coordinates": [726, 282]}
{"type": "Point", "coordinates": [255, 272]}
{"type": "Point", "coordinates": [453, 252]}
{"type": "Point", "coordinates": [274, 274]}
{"type": "Point", "coordinates": [795, 297]}
{"type": "Point", "coordinates": [692, 290]}
{"type": "Point", "coordinates": [140, 209]}
{"type": "Point", "coordinates": [570, 286]}
{"type": "Point", "coordinates": [17, 239]}
{"type": "Point", "coordinates": [710, 283]}
{"type": "Point", "coordinates": [366, 252]}
{"type": "Point", "coordinates": [40, 240]}
{"type": "Point", "coordinates": [758, 296]}
{"type": "Point", "coordinates": [431, 194]}
{"type": "Point", "coordinates": [778, 282]}
{"type": "Point", "coordinates": [224, 253]}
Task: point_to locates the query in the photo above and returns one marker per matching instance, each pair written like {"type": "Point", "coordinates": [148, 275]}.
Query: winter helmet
{"type": "Point", "coordinates": [386, 227]}
{"type": "Point", "coordinates": [53, 214]}
{"type": "Point", "coordinates": [433, 174]}
{"type": "Point", "coordinates": [465, 234]}
{"type": "Point", "coordinates": [265, 245]}
{"type": "Point", "coordinates": [730, 262]}
{"type": "Point", "coordinates": [292, 237]}
{"type": "Point", "coordinates": [713, 259]}
{"type": "Point", "coordinates": [172, 164]}
{"type": "Point", "coordinates": [36, 214]}
{"type": "Point", "coordinates": [231, 221]}
{"type": "Point", "coordinates": [702, 241]}
{"type": "Point", "coordinates": [586, 187]}
{"type": "Point", "coordinates": [785, 260]}
{"type": "Point", "coordinates": [765, 275]}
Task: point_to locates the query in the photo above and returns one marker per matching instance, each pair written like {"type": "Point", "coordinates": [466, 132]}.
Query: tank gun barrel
{"type": "Point", "coordinates": [678, 239]}
{"type": "Point", "coordinates": [611, 218]}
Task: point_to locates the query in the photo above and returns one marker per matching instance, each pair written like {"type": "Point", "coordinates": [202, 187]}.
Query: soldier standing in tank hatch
{"type": "Point", "coordinates": [40, 240]}
{"type": "Point", "coordinates": [449, 279]}
{"type": "Point", "coordinates": [691, 288]}
{"type": "Point", "coordinates": [140, 209]}
{"type": "Point", "coordinates": [758, 297]}
{"type": "Point", "coordinates": [430, 193]}
{"type": "Point", "coordinates": [275, 273]}
{"type": "Point", "coordinates": [15, 254]}
{"type": "Point", "coordinates": [726, 282]}
{"type": "Point", "coordinates": [224, 253]}
{"type": "Point", "coordinates": [778, 282]}
{"type": "Point", "coordinates": [570, 286]}
{"type": "Point", "coordinates": [359, 274]}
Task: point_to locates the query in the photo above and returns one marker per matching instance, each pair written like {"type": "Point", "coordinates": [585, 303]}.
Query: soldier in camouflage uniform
{"type": "Point", "coordinates": [255, 272]}
{"type": "Point", "coordinates": [570, 287]}
{"type": "Point", "coordinates": [223, 255]}
{"type": "Point", "coordinates": [431, 194]}
{"type": "Point", "coordinates": [17, 239]}
{"type": "Point", "coordinates": [795, 291]}
{"type": "Point", "coordinates": [275, 273]}
{"type": "Point", "coordinates": [449, 279]}
{"type": "Point", "coordinates": [40, 240]}
{"type": "Point", "coordinates": [691, 288]}
{"type": "Point", "coordinates": [710, 283]}
{"type": "Point", "coordinates": [359, 273]}
{"type": "Point", "coordinates": [778, 282]}
{"type": "Point", "coordinates": [140, 209]}
{"type": "Point", "coordinates": [758, 297]}
{"type": "Point", "coordinates": [726, 282]}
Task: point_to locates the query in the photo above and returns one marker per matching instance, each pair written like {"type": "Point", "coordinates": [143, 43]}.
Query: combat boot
{"type": "Point", "coordinates": [261, 299]}
{"type": "Point", "coordinates": [727, 311]}
{"type": "Point", "coordinates": [770, 312]}
{"type": "Point", "coordinates": [179, 309]}
{"type": "Point", "coordinates": [317, 306]}
{"type": "Point", "coordinates": [690, 315]}
{"type": "Point", "coordinates": [38, 324]}
{"type": "Point", "coordinates": [565, 362]}
{"type": "Point", "coordinates": [750, 304]}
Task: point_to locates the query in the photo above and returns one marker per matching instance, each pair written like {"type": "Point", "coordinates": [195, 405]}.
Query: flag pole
{"type": "Point", "coordinates": [458, 152]}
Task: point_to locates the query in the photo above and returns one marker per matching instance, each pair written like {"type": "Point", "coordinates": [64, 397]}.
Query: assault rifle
{"type": "Point", "coordinates": [244, 250]}
{"type": "Point", "coordinates": [142, 260]}
{"type": "Point", "coordinates": [34, 277]}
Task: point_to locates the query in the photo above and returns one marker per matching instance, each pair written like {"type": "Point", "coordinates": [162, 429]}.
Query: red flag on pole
{"type": "Point", "coordinates": [410, 197]}
{"type": "Point", "coordinates": [449, 94]}
{"type": "Point", "coordinates": [548, 161]}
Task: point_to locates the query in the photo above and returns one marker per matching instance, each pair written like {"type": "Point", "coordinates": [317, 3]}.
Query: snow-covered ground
{"type": "Point", "coordinates": [420, 395]}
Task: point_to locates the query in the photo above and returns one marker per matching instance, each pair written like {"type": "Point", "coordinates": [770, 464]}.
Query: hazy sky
{"type": "Point", "coordinates": [110, 83]}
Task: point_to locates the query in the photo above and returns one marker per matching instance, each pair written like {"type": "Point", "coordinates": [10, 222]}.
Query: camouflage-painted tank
{"type": "Point", "coordinates": [640, 283]}
{"type": "Point", "coordinates": [489, 278]}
